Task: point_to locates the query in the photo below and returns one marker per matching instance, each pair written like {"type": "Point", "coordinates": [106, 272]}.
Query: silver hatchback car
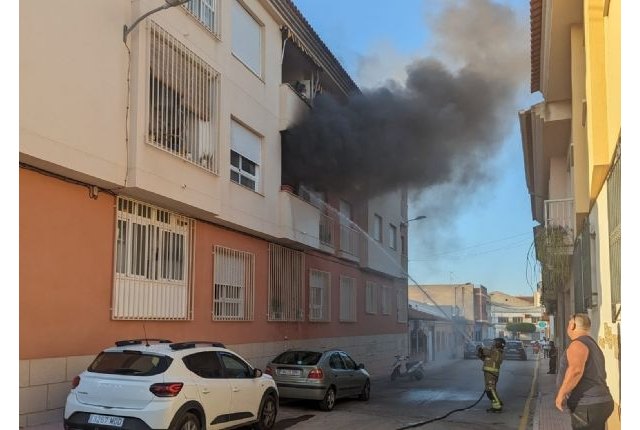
{"type": "Point", "coordinates": [319, 375]}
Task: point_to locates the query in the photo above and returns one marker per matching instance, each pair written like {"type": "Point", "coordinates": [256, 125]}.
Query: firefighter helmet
{"type": "Point", "coordinates": [499, 342]}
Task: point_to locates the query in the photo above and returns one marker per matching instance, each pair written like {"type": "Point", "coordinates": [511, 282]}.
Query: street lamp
{"type": "Point", "coordinates": [167, 4]}
{"type": "Point", "coordinates": [419, 217]}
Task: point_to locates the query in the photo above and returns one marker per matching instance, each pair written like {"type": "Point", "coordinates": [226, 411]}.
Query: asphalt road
{"type": "Point", "coordinates": [402, 403]}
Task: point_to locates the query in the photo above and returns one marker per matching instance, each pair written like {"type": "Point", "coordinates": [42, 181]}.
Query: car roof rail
{"type": "Point", "coordinates": [193, 343]}
{"type": "Point", "coordinates": [127, 342]}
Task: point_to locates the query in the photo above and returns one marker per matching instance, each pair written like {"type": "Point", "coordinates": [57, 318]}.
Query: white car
{"type": "Point", "coordinates": [144, 384]}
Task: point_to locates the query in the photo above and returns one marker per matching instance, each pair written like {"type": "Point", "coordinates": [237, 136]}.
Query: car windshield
{"type": "Point", "coordinates": [130, 363]}
{"type": "Point", "coordinates": [514, 344]}
{"type": "Point", "coordinates": [301, 358]}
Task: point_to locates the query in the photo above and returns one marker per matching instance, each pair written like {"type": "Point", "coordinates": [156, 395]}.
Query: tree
{"type": "Point", "coordinates": [521, 327]}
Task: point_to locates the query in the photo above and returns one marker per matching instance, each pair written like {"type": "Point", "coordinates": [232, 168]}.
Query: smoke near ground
{"type": "Point", "coordinates": [440, 126]}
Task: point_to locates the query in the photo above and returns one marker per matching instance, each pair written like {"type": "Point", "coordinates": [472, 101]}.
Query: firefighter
{"type": "Point", "coordinates": [492, 359]}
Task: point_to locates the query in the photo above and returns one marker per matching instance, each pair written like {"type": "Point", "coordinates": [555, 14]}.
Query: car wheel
{"type": "Point", "coordinates": [329, 400]}
{"type": "Point", "coordinates": [267, 414]}
{"type": "Point", "coordinates": [366, 391]}
{"type": "Point", "coordinates": [187, 422]}
{"type": "Point", "coordinates": [418, 375]}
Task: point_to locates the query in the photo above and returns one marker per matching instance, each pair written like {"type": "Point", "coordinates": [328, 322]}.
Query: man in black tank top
{"type": "Point", "coordinates": [582, 378]}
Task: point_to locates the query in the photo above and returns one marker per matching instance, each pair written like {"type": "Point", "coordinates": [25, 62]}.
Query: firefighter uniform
{"type": "Point", "coordinates": [492, 359]}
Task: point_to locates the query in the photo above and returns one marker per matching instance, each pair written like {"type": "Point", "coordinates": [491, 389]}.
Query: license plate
{"type": "Point", "coordinates": [290, 372]}
{"type": "Point", "coordinates": [106, 420]}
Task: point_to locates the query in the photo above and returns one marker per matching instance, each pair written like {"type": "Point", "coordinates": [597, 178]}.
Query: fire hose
{"type": "Point", "coordinates": [421, 423]}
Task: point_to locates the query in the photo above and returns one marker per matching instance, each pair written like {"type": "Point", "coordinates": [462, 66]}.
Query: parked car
{"type": "Point", "coordinates": [515, 349]}
{"type": "Point", "coordinates": [156, 384]}
{"type": "Point", "coordinates": [323, 376]}
{"type": "Point", "coordinates": [471, 349]}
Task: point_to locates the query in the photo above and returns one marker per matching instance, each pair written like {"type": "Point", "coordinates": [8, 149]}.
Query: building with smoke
{"type": "Point", "coordinates": [571, 143]}
{"type": "Point", "coordinates": [165, 191]}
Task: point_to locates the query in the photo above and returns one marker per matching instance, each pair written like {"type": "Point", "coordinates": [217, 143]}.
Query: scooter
{"type": "Point", "coordinates": [403, 367]}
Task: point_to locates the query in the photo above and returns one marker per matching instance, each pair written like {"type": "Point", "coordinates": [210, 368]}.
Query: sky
{"type": "Point", "coordinates": [484, 235]}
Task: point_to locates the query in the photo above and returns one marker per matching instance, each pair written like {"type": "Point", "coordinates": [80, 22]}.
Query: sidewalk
{"type": "Point", "coordinates": [546, 416]}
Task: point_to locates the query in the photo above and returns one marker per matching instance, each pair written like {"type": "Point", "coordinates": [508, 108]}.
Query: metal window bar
{"type": "Point", "coordinates": [349, 239]}
{"type": "Point", "coordinates": [582, 271]}
{"type": "Point", "coordinates": [286, 284]}
{"type": "Point", "coordinates": [153, 263]}
{"type": "Point", "coordinates": [319, 295]}
{"type": "Point", "coordinates": [348, 309]}
{"type": "Point", "coordinates": [205, 12]}
{"type": "Point", "coordinates": [401, 305]}
{"type": "Point", "coordinates": [613, 211]}
{"type": "Point", "coordinates": [386, 300]}
{"type": "Point", "coordinates": [183, 91]}
{"type": "Point", "coordinates": [370, 297]}
{"type": "Point", "coordinates": [326, 230]}
{"type": "Point", "coordinates": [233, 285]}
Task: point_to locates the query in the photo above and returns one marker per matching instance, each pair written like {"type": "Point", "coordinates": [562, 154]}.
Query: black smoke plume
{"type": "Point", "coordinates": [440, 126]}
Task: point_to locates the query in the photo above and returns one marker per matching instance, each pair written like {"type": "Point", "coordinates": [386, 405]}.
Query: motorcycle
{"type": "Point", "coordinates": [403, 367]}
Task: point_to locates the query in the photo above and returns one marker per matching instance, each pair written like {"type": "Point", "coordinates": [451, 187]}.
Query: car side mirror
{"type": "Point", "coordinates": [360, 366]}
{"type": "Point", "coordinates": [257, 373]}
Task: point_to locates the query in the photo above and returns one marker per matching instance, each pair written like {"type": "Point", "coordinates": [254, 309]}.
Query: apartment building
{"type": "Point", "coordinates": [572, 152]}
{"type": "Point", "coordinates": [152, 199]}
{"type": "Point", "coordinates": [463, 305]}
{"type": "Point", "coordinates": [505, 309]}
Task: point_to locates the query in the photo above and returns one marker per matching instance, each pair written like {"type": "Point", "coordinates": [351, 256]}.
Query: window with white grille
{"type": "Point", "coordinates": [371, 302]}
{"type": "Point", "coordinates": [319, 295]}
{"type": "Point", "coordinates": [153, 256]}
{"type": "Point", "coordinates": [183, 91]}
{"type": "Point", "coordinates": [402, 304]}
{"type": "Point", "coordinates": [246, 156]}
{"type": "Point", "coordinates": [286, 284]}
{"type": "Point", "coordinates": [205, 11]}
{"type": "Point", "coordinates": [246, 38]}
{"type": "Point", "coordinates": [233, 284]}
{"type": "Point", "coordinates": [348, 309]}
{"type": "Point", "coordinates": [385, 300]}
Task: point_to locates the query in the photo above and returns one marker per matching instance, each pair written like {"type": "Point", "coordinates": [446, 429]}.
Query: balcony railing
{"type": "Point", "coordinates": [559, 213]}
{"type": "Point", "coordinates": [349, 240]}
{"type": "Point", "coordinates": [326, 231]}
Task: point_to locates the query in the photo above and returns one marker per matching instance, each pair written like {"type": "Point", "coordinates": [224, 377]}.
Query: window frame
{"type": "Point", "coordinates": [393, 237]}
{"type": "Point", "coordinates": [214, 7]}
{"type": "Point", "coordinates": [324, 307]}
{"type": "Point", "coordinates": [377, 228]}
{"type": "Point", "coordinates": [371, 298]}
{"type": "Point", "coordinates": [241, 6]}
{"type": "Point", "coordinates": [239, 170]}
{"type": "Point", "coordinates": [348, 299]}
{"type": "Point", "coordinates": [244, 275]}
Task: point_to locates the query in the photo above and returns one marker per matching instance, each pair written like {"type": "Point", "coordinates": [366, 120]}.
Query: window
{"type": "Point", "coordinates": [348, 310]}
{"type": "Point", "coordinates": [234, 367]}
{"type": "Point", "coordinates": [377, 228]}
{"type": "Point", "coordinates": [183, 92]}
{"type": "Point", "coordinates": [503, 320]}
{"type": "Point", "coordinates": [246, 35]}
{"type": "Point", "coordinates": [402, 305]}
{"type": "Point", "coordinates": [386, 300]}
{"type": "Point", "coordinates": [348, 362]}
{"type": "Point", "coordinates": [393, 237]}
{"type": "Point", "coordinates": [153, 258]}
{"type": "Point", "coordinates": [613, 211]}
{"type": "Point", "coordinates": [233, 284]}
{"type": "Point", "coordinates": [517, 319]}
{"type": "Point", "coordinates": [349, 235]}
{"type": "Point", "coordinates": [204, 364]}
{"type": "Point", "coordinates": [245, 156]}
{"type": "Point", "coordinates": [371, 305]}
{"type": "Point", "coordinates": [335, 362]}
{"type": "Point", "coordinates": [319, 295]}
{"type": "Point", "coordinates": [205, 12]}
{"type": "Point", "coordinates": [286, 284]}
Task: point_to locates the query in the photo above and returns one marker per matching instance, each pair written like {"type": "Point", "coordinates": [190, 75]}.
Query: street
{"type": "Point", "coordinates": [395, 405]}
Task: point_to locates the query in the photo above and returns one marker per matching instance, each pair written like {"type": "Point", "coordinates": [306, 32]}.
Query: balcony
{"type": "Point", "coordinates": [559, 213]}
{"type": "Point", "coordinates": [292, 106]}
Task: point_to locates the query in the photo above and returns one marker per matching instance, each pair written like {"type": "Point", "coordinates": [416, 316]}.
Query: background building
{"type": "Point", "coordinates": [572, 151]}
{"type": "Point", "coordinates": [506, 309]}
